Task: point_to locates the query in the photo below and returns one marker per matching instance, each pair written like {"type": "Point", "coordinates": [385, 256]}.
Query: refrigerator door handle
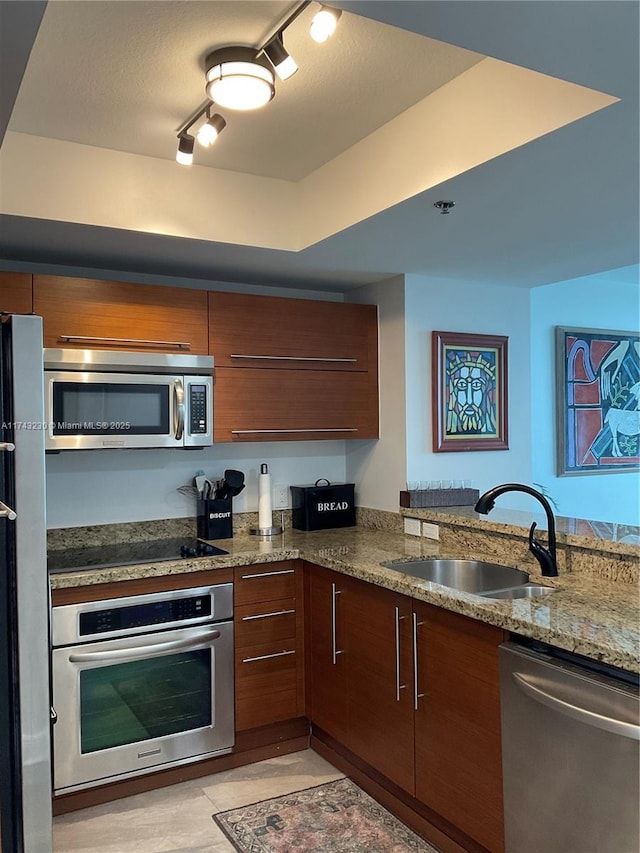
{"type": "Point", "coordinates": [7, 512]}
{"type": "Point", "coordinates": [590, 718]}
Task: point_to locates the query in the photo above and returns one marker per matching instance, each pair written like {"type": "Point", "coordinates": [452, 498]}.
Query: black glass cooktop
{"type": "Point", "coordinates": [127, 553]}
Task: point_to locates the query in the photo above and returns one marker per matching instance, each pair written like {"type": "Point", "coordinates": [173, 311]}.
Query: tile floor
{"type": "Point", "coordinates": [178, 819]}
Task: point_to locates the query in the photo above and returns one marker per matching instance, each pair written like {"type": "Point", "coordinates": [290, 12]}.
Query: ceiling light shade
{"type": "Point", "coordinates": [238, 79]}
{"type": "Point", "coordinates": [211, 129]}
{"type": "Point", "coordinates": [324, 23]}
{"type": "Point", "coordinates": [184, 154]}
{"type": "Point", "coordinates": [284, 64]}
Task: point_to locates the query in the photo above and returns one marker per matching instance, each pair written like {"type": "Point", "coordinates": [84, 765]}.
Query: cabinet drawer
{"type": "Point", "coordinates": [257, 584]}
{"type": "Point", "coordinates": [267, 684]}
{"type": "Point", "coordinates": [269, 622]}
{"type": "Point", "coordinates": [286, 405]}
{"type": "Point", "coordinates": [271, 331]}
{"type": "Point", "coordinates": [84, 313]}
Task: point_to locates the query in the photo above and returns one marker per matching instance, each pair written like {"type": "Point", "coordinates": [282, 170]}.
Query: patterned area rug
{"type": "Point", "coordinates": [337, 817]}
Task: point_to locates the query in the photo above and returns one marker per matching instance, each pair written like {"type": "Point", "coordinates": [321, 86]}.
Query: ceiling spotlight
{"type": "Point", "coordinates": [444, 206]}
{"type": "Point", "coordinates": [239, 79]}
{"type": "Point", "coordinates": [284, 64]}
{"type": "Point", "coordinates": [324, 23]}
{"type": "Point", "coordinates": [211, 129]}
{"type": "Point", "coordinates": [184, 154]}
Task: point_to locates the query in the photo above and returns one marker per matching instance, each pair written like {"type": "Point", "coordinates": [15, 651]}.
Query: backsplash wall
{"type": "Point", "coordinates": [113, 486]}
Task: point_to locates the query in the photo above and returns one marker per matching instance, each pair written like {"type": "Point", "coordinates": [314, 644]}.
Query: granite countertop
{"type": "Point", "coordinates": [588, 615]}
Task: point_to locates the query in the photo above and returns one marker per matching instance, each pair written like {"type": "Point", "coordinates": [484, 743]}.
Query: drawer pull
{"type": "Point", "coordinates": [7, 512]}
{"type": "Point", "coordinates": [286, 431]}
{"type": "Point", "coordinates": [7, 446]}
{"type": "Point", "coordinates": [267, 657]}
{"type": "Point", "coordinates": [297, 358]}
{"type": "Point", "coordinates": [267, 615]}
{"type": "Point", "coordinates": [175, 344]}
{"type": "Point", "coordinates": [268, 574]}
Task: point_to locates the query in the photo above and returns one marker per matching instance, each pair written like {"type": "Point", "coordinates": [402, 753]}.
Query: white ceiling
{"type": "Point", "coordinates": [561, 206]}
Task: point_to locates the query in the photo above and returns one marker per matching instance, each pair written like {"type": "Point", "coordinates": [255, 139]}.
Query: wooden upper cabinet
{"type": "Point", "coordinates": [94, 314]}
{"type": "Point", "coordinates": [270, 331]}
{"type": "Point", "coordinates": [16, 293]}
{"type": "Point", "coordinates": [284, 405]}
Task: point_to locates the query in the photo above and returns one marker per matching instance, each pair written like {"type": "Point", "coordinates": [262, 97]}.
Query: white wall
{"type": "Point", "coordinates": [605, 301]}
{"type": "Point", "coordinates": [461, 306]}
{"type": "Point", "coordinates": [378, 467]}
{"type": "Point", "coordinates": [110, 486]}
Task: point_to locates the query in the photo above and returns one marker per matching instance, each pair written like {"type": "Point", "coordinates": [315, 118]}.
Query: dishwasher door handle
{"type": "Point", "coordinates": [589, 718]}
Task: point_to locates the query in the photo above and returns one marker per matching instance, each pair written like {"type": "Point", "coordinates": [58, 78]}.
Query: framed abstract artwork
{"type": "Point", "coordinates": [598, 399]}
{"type": "Point", "coordinates": [469, 381]}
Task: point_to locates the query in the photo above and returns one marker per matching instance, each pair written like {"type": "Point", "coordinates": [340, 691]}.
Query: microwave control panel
{"type": "Point", "coordinates": [198, 409]}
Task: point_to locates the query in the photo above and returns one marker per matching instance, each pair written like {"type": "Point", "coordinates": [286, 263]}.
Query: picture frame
{"type": "Point", "coordinates": [597, 401]}
{"type": "Point", "coordinates": [469, 391]}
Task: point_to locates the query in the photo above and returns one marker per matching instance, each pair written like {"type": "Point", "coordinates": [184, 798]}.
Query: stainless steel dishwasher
{"type": "Point", "coordinates": [570, 753]}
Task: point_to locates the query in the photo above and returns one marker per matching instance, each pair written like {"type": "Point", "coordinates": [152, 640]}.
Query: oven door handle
{"type": "Point", "coordinates": [140, 652]}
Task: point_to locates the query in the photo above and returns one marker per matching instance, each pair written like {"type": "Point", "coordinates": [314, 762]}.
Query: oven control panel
{"type": "Point", "coordinates": [142, 615]}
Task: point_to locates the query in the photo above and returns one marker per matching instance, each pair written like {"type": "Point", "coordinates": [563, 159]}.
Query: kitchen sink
{"type": "Point", "coordinates": [488, 580]}
{"type": "Point", "coordinates": [527, 590]}
{"type": "Point", "coordinates": [473, 576]}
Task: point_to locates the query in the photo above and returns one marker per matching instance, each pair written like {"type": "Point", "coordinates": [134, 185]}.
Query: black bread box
{"type": "Point", "coordinates": [323, 507]}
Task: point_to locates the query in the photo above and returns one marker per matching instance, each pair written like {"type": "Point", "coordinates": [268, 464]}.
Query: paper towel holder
{"type": "Point", "coordinates": [274, 530]}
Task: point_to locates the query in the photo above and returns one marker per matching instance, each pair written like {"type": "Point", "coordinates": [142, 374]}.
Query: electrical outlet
{"type": "Point", "coordinates": [412, 526]}
{"type": "Point", "coordinates": [431, 531]}
{"type": "Point", "coordinates": [280, 496]}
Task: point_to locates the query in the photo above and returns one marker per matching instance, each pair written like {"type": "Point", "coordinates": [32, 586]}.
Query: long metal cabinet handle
{"type": "Point", "coordinates": [296, 358]}
{"type": "Point", "coordinates": [176, 344]}
{"type": "Point", "coordinates": [178, 413]}
{"type": "Point", "coordinates": [7, 446]}
{"type": "Point", "coordinates": [335, 592]}
{"type": "Point", "coordinates": [267, 574]}
{"type": "Point", "coordinates": [267, 657]}
{"type": "Point", "coordinates": [267, 615]}
{"type": "Point", "coordinates": [140, 652]}
{"type": "Point", "coordinates": [284, 431]}
{"type": "Point", "coordinates": [7, 512]}
{"type": "Point", "coordinates": [399, 686]}
{"type": "Point", "coordinates": [416, 695]}
{"type": "Point", "coordinates": [590, 718]}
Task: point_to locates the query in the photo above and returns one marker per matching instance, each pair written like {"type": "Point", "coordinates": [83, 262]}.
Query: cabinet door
{"type": "Point", "coordinates": [16, 295]}
{"type": "Point", "coordinates": [457, 724]}
{"type": "Point", "coordinates": [380, 681]}
{"type": "Point", "coordinates": [280, 405]}
{"type": "Point", "coordinates": [328, 600]}
{"type": "Point", "coordinates": [84, 313]}
{"type": "Point", "coordinates": [271, 331]}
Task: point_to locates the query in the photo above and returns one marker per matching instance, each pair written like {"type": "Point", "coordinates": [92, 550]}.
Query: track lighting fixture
{"type": "Point", "coordinates": [284, 64]}
{"type": "Point", "coordinates": [242, 78]}
{"type": "Point", "coordinates": [239, 79]}
{"type": "Point", "coordinates": [211, 129]}
{"type": "Point", "coordinates": [184, 154]}
{"type": "Point", "coordinates": [324, 24]}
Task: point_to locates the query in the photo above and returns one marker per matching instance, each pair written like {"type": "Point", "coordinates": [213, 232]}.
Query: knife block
{"type": "Point", "coordinates": [215, 519]}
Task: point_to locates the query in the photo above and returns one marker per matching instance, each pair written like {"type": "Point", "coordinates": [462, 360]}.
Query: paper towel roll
{"type": "Point", "coordinates": [265, 515]}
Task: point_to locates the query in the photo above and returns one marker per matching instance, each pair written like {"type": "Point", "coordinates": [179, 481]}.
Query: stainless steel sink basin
{"type": "Point", "coordinates": [527, 590]}
{"type": "Point", "coordinates": [473, 576]}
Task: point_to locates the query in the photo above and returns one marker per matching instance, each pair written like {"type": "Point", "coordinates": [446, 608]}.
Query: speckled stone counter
{"type": "Point", "coordinates": [589, 615]}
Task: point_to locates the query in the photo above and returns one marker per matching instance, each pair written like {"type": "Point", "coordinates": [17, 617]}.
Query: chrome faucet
{"type": "Point", "coordinates": [546, 558]}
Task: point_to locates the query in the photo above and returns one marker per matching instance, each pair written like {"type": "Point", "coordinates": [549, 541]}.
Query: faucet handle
{"type": "Point", "coordinates": [544, 557]}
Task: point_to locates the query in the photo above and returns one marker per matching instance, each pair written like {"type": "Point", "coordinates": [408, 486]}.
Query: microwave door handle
{"type": "Point", "coordinates": [141, 652]}
{"type": "Point", "coordinates": [178, 409]}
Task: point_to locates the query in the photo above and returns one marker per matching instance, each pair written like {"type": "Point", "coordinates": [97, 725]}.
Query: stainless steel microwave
{"type": "Point", "coordinates": [96, 399]}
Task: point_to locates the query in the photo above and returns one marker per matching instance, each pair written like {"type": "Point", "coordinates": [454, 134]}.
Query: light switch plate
{"type": "Point", "coordinates": [412, 526]}
{"type": "Point", "coordinates": [280, 496]}
{"type": "Point", "coordinates": [431, 531]}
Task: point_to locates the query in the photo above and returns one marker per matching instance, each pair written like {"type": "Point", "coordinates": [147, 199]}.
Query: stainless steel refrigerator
{"type": "Point", "coordinates": [25, 718]}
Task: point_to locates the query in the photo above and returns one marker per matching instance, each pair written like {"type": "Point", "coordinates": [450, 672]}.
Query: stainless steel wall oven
{"type": "Point", "coordinates": [141, 682]}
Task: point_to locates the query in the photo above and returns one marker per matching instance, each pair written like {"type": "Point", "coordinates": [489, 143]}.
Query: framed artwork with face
{"type": "Point", "coordinates": [469, 392]}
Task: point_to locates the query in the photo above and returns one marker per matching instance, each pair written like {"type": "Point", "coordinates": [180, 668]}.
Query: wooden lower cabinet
{"type": "Point", "coordinates": [269, 644]}
{"type": "Point", "coordinates": [457, 724]}
{"type": "Point", "coordinates": [364, 682]}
